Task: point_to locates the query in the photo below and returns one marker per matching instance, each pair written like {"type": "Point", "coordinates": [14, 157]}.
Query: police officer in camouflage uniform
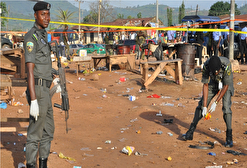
{"type": "Point", "coordinates": [221, 80]}
{"type": "Point", "coordinates": [39, 78]}
{"type": "Point", "coordinates": [140, 40]}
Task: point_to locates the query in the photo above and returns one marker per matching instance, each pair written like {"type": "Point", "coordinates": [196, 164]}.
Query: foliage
{"type": "Point", "coordinates": [243, 9]}
{"type": "Point", "coordinates": [169, 16]}
{"type": "Point", "coordinates": [106, 10]}
{"type": "Point", "coordinates": [181, 12]}
{"type": "Point", "coordinates": [139, 15]}
{"type": "Point", "coordinates": [130, 17]}
{"type": "Point", "coordinates": [222, 8]}
{"type": "Point", "coordinates": [64, 16]}
{"type": "Point", "coordinates": [92, 18]}
{"type": "Point", "coordinates": [4, 13]}
{"type": "Point", "coordinates": [120, 16]}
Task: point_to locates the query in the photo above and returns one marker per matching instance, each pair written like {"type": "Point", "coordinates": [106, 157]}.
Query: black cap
{"type": "Point", "coordinates": [214, 64]}
{"type": "Point", "coordinates": [41, 5]}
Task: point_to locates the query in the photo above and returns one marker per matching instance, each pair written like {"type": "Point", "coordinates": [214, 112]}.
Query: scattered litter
{"type": "Point", "coordinates": [114, 148]}
{"type": "Point", "coordinates": [207, 117]}
{"type": "Point", "coordinates": [167, 104]}
{"type": "Point", "coordinates": [245, 132]}
{"type": "Point", "coordinates": [170, 134]}
{"type": "Point", "coordinates": [132, 98]}
{"type": "Point", "coordinates": [168, 121]}
{"type": "Point", "coordinates": [214, 166]}
{"type": "Point", "coordinates": [159, 114]}
{"type": "Point", "coordinates": [212, 153]}
{"type": "Point", "coordinates": [215, 130]}
{"type": "Point", "coordinates": [84, 94]}
{"type": "Point", "coordinates": [140, 154]}
{"type": "Point", "coordinates": [21, 165]}
{"type": "Point", "coordinates": [103, 90]}
{"type": "Point", "coordinates": [138, 131]}
{"type": "Point", "coordinates": [122, 140]}
{"type": "Point", "coordinates": [20, 134]}
{"type": "Point", "coordinates": [169, 158]}
{"type": "Point", "coordinates": [153, 96]}
{"type": "Point", "coordinates": [64, 157]}
{"type": "Point", "coordinates": [85, 149]}
{"type": "Point", "coordinates": [99, 107]}
{"type": "Point", "coordinates": [20, 111]}
{"type": "Point", "coordinates": [165, 97]}
{"type": "Point", "coordinates": [82, 79]}
{"type": "Point", "coordinates": [180, 105]}
{"type": "Point", "coordinates": [85, 154]}
{"type": "Point", "coordinates": [76, 166]}
{"type": "Point", "coordinates": [104, 96]}
{"type": "Point", "coordinates": [159, 132]}
{"type": "Point", "coordinates": [239, 83]}
{"type": "Point", "coordinates": [122, 79]}
{"type": "Point", "coordinates": [133, 120]}
{"type": "Point", "coordinates": [99, 148]}
{"type": "Point", "coordinates": [108, 142]}
{"type": "Point", "coordinates": [128, 150]}
{"type": "Point", "coordinates": [235, 152]}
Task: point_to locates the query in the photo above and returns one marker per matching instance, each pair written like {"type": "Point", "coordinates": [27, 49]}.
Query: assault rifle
{"type": "Point", "coordinates": [62, 82]}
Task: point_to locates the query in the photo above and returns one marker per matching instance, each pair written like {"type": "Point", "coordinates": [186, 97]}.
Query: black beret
{"type": "Point", "coordinates": [214, 64]}
{"type": "Point", "coordinates": [41, 5]}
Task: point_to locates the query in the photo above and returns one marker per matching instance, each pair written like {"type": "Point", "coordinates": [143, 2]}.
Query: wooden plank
{"type": "Point", "coordinates": [158, 62]}
{"type": "Point", "coordinates": [5, 119]}
{"type": "Point", "coordinates": [155, 74]}
{"type": "Point", "coordinates": [170, 71]}
{"type": "Point", "coordinates": [12, 129]}
{"type": "Point", "coordinates": [178, 73]}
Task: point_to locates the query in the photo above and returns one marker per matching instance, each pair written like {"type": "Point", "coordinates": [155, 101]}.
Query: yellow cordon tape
{"type": "Point", "coordinates": [131, 27]}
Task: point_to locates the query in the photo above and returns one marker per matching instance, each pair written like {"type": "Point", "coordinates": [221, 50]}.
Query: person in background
{"type": "Point", "coordinates": [217, 81]}
{"type": "Point", "coordinates": [170, 35]}
{"type": "Point", "coordinates": [243, 45]}
{"type": "Point", "coordinates": [216, 41]}
{"type": "Point", "coordinates": [140, 40]}
{"type": "Point", "coordinates": [226, 41]}
{"type": "Point", "coordinates": [199, 41]}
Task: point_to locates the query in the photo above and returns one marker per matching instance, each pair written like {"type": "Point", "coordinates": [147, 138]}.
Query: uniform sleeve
{"type": "Point", "coordinates": [227, 80]}
{"type": "Point", "coordinates": [30, 46]}
{"type": "Point", "coordinates": [205, 73]}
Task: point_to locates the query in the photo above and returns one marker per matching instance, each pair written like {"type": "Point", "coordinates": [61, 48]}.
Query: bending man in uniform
{"type": "Point", "coordinates": [221, 80]}
{"type": "Point", "coordinates": [39, 78]}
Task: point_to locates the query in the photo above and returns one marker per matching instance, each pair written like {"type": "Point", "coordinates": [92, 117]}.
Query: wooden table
{"type": "Point", "coordinates": [160, 65]}
{"type": "Point", "coordinates": [125, 58]}
{"type": "Point", "coordinates": [97, 59]}
{"type": "Point", "coordinates": [79, 63]}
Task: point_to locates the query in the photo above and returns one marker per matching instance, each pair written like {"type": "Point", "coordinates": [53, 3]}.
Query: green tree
{"type": "Point", "coordinates": [3, 14]}
{"type": "Point", "coordinates": [181, 12]}
{"type": "Point", "coordinates": [222, 8]}
{"type": "Point", "coordinates": [120, 16]}
{"type": "Point", "coordinates": [169, 16]}
{"type": "Point", "coordinates": [91, 18]}
{"type": "Point", "coordinates": [64, 16]}
{"type": "Point", "coordinates": [130, 17]}
{"type": "Point", "coordinates": [139, 15]}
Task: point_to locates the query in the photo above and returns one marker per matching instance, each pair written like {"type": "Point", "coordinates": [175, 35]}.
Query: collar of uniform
{"type": "Point", "coordinates": [42, 31]}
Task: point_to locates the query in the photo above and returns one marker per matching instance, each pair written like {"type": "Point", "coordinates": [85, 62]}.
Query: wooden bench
{"type": "Point", "coordinates": [160, 65]}
{"type": "Point", "coordinates": [13, 129]}
{"type": "Point", "coordinates": [79, 63]}
{"type": "Point", "coordinates": [125, 58]}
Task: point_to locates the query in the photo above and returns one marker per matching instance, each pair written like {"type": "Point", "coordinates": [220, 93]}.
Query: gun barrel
{"type": "Point", "coordinates": [57, 105]}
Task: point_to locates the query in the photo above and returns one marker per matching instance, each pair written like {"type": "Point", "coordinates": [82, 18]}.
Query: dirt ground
{"type": "Point", "coordinates": [100, 111]}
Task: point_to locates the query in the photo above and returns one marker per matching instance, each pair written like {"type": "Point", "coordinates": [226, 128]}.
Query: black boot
{"type": "Point", "coordinates": [229, 142]}
{"type": "Point", "coordinates": [42, 162]}
{"type": "Point", "coordinates": [30, 165]}
{"type": "Point", "coordinates": [189, 133]}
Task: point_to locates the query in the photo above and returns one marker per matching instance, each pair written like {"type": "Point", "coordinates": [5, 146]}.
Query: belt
{"type": "Point", "coordinates": [42, 82]}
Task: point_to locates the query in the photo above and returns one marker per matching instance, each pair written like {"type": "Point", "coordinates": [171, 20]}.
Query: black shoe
{"type": "Point", "coordinates": [187, 136]}
{"type": "Point", "coordinates": [30, 165]}
{"type": "Point", "coordinates": [189, 133]}
{"type": "Point", "coordinates": [42, 162]}
{"type": "Point", "coordinates": [229, 142]}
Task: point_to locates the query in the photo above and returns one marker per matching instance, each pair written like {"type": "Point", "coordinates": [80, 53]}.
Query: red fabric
{"type": "Point", "coordinates": [154, 96]}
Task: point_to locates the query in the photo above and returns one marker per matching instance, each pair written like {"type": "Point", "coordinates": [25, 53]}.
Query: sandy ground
{"type": "Point", "coordinates": [97, 117]}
